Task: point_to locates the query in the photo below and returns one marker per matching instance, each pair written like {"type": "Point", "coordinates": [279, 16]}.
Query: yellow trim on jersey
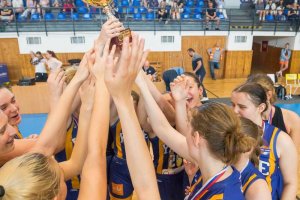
{"type": "Point", "coordinates": [19, 134]}
{"type": "Point", "coordinates": [271, 160]}
{"type": "Point", "coordinates": [217, 197]}
{"type": "Point", "coordinates": [118, 140]}
{"type": "Point", "coordinates": [247, 183]}
{"type": "Point", "coordinates": [115, 198]}
{"type": "Point", "coordinates": [68, 149]}
{"type": "Point", "coordinates": [161, 157]}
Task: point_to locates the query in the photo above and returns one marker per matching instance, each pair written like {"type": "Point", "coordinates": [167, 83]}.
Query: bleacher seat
{"type": "Point", "coordinates": [136, 3]}
{"type": "Point", "coordinates": [130, 10]}
{"type": "Point", "coordinates": [200, 4]}
{"type": "Point", "coordinates": [269, 18]}
{"type": "Point", "coordinates": [82, 10]}
{"type": "Point", "coordinates": [35, 17]}
{"type": "Point", "coordinates": [220, 15]}
{"type": "Point", "coordinates": [87, 16]}
{"type": "Point", "coordinates": [79, 3]}
{"type": "Point", "coordinates": [150, 16]}
{"type": "Point", "coordinates": [49, 16]}
{"type": "Point", "coordinates": [20, 18]}
{"type": "Point", "coordinates": [94, 10]}
{"type": "Point", "coordinates": [75, 16]}
{"type": "Point", "coordinates": [137, 16]}
{"type": "Point", "coordinates": [124, 3]}
{"type": "Point", "coordinates": [198, 10]}
{"type": "Point", "coordinates": [190, 3]}
{"type": "Point", "coordinates": [185, 16]}
{"type": "Point", "coordinates": [61, 16]}
{"type": "Point", "coordinates": [142, 9]}
{"type": "Point", "coordinates": [197, 16]}
{"type": "Point", "coordinates": [187, 10]}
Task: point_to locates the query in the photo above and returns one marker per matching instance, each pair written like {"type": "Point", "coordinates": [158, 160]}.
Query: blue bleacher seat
{"type": "Point", "coordinates": [82, 10]}
{"type": "Point", "coordinates": [136, 3]}
{"type": "Point", "coordinates": [220, 15]}
{"type": "Point", "coordinates": [79, 3]}
{"type": "Point", "coordinates": [142, 9]}
{"type": "Point", "coordinates": [200, 4]}
{"type": "Point", "coordinates": [94, 10]}
{"type": "Point", "coordinates": [75, 16]}
{"type": "Point", "coordinates": [20, 18]}
{"type": "Point", "coordinates": [121, 10]}
{"type": "Point", "coordinates": [197, 16]}
{"type": "Point", "coordinates": [150, 16]}
{"type": "Point", "coordinates": [185, 16]}
{"type": "Point", "coordinates": [87, 16]}
{"type": "Point", "coordinates": [49, 16]}
{"type": "Point", "coordinates": [61, 16]}
{"type": "Point", "coordinates": [187, 10]}
{"type": "Point", "coordinates": [190, 3]}
{"type": "Point", "coordinates": [124, 3]}
{"type": "Point", "coordinates": [35, 17]}
{"type": "Point", "coordinates": [137, 16]}
{"type": "Point", "coordinates": [269, 18]}
{"type": "Point", "coordinates": [198, 10]}
{"type": "Point", "coordinates": [130, 10]}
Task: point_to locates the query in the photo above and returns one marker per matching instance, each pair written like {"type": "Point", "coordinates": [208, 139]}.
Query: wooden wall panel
{"type": "Point", "coordinates": [295, 62]}
{"type": "Point", "coordinates": [238, 64]}
{"type": "Point", "coordinates": [201, 44]}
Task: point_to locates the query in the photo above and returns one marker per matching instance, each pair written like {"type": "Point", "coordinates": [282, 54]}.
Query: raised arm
{"type": "Point", "coordinates": [119, 83]}
{"type": "Point", "coordinates": [160, 124]}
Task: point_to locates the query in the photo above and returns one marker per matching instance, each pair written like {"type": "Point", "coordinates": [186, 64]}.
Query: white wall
{"type": "Point", "coordinates": [280, 41]}
{"type": "Point", "coordinates": [234, 46]}
{"type": "Point", "coordinates": [232, 3]}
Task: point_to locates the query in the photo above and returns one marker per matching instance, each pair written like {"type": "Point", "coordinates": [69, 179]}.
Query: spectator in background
{"type": "Point", "coordinates": [151, 4]}
{"type": "Point", "coordinates": [39, 63]}
{"type": "Point", "coordinates": [176, 9]}
{"type": "Point", "coordinates": [30, 8]}
{"type": "Point", "coordinates": [18, 7]}
{"type": "Point", "coordinates": [162, 12]}
{"type": "Point", "coordinates": [215, 56]}
{"type": "Point", "coordinates": [68, 6]}
{"type": "Point", "coordinates": [56, 4]}
{"type": "Point", "coordinates": [280, 16]}
{"type": "Point", "coordinates": [150, 70]}
{"type": "Point", "coordinates": [280, 5]}
{"type": "Point", "coordinates": [221, 8]}
{"type": "Point", "coordinates": [211, 15]}
{"type": "Point", "coordinates": [293, 16]}
{"type": "Point", "coordinates": [270, 9]}
{"type": "Point", "coordinates": [285, 56]}
{"type": "Point", "coordinates": [43, 7]}
{"type": "Point", "coordinates": [6, 14]}
{"type": "Point", "coordinates": [259, 7]}
{"type": "Point", "coordinates": [198, 69]}
{"type": "Point", "coordinates": [52, 61]}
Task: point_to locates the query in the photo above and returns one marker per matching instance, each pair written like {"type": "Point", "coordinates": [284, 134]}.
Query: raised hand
{"type": "Point", "coordinates": [82, 71]}
{"type": "Point", "coordinates": [120, 76]}
{"type": "Point", "coordinates": [87, 92]}
{"type": "Point", "coordinates": [179, 88]}
{"type": "Point", "coordinates": [55, 83]}
{"type": "Point", "coordinates": [111, 28]}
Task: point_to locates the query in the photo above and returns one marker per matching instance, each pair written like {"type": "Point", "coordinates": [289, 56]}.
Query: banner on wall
{"type": "Point", "coordinates": [264, 46]}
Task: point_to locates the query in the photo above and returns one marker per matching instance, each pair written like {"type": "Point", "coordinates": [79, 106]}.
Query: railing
{"type": "Point", "coordinates": [139, 19]}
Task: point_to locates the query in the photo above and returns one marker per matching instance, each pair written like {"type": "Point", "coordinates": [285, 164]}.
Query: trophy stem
{"type": "Point", "coordinates": [107, 10]}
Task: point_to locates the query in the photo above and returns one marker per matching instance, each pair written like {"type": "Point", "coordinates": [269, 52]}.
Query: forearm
{"type": "Point", "coordinates": [289, 191]}
{"type": "Point", "coordinates": [181, 117]}
{"type": "Point", "coordinates": [146, 185]}
{"type": "Point", "coordinates": [51, 134]}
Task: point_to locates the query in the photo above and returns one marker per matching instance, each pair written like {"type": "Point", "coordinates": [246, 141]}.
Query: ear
{"type": "Point", "coordinates": [197, 139]}
{"type": "Point", "coordinates": [200, 89]}
{"type": "Point", "coordinates": [262, 107]}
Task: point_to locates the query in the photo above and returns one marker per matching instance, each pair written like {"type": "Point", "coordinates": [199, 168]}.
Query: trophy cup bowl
{"type": "Point", "coordinates": [107, 9]}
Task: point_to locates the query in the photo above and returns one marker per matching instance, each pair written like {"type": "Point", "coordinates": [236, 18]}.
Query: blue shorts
{"type": "Point", "coordinates": [120, 185]}
{"type": "Point", "coordinates": [170, 186]}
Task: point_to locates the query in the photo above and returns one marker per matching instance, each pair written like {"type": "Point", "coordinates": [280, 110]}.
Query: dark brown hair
{"type": "Point", "coordinates": [256, 93]}
{"type": "Point", "coordinates": [254, 132]}
{"type": "Point", "coordinates": [193, 76]}
{"type": "Point", "coordinates": [221, 128]}
{"type": "Point", "coordinates": [52, 53]}
{"type": "Point", "coordinates": [191, 50]}
{"type": "Point", "coordinates": [266, 82]}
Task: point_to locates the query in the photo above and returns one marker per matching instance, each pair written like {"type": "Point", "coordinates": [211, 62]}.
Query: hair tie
{"type": "Point", "coordinates": [2, 191]}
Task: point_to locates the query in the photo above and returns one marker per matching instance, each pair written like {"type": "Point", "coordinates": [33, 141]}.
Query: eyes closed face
{"type": "Point", "coordinates": [7, 133]}
{"type": "Point", "coordinates": [10, 107]}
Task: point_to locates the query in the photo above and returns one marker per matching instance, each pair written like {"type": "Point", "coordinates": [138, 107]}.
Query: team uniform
{"type": "Point", "coordinates": [227, 189]}
{"type": "Point", "coordinates": [73, 185]}
{"type": "Point", "coordinates": [120, 185]}
{"type": "Point", "coordinates": [18, 134]}
{"type": "Point", "coordinates": [269, 161]}
{"type": "Point", "coordinates": [249, 175]}
{"type": "Point", "coordinates": [169, 170]}
{"type": "Point", "coordinates": [278, 120]}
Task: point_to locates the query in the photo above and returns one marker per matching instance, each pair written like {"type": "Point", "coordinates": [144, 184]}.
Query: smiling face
{"type": "Point", "coordinates": [7, 133]}
{"type": "Point", "coordinates": [10, 107]}
{"type": "Point", "coordinates": [194, 93]}
{"type": "Point", "coordinates": [244, 107]}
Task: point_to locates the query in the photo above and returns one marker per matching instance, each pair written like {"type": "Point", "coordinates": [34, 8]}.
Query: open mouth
{"type": "Point", "coordinates": [16, 117]}
{"type": "Point", "coordinates": [189, 99]}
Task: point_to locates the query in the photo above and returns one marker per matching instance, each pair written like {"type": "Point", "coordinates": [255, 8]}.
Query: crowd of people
{"type": "Point", "coordinates": [199, 150]}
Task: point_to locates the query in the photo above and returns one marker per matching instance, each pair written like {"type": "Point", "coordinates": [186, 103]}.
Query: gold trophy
{"type": "Point", "coordinates": [106, 8]}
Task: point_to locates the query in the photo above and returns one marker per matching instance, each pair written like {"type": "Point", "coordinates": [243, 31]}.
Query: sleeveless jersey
{"type": "Point", "coordinates": [269, 161]}
{"type": "Point", "coordinates": [164, 158]}
{"type": "Point", "coordinates": [74, 183]}
{"type": "Point", "coordinates": [118, 142]}
{"type": "Point", "coordinates": [227, 189]}
{"type": "Point", "coordinates": [249, 175]}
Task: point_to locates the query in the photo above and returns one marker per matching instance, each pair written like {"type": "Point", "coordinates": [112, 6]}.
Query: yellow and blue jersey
{"type": "Point", "coordinates": [227, 189]}
{"type": "Point", "coordinates": [118, 140]}
{"type": "Point", "coordinates": [269, 161]}
{"type": "Point", "coordinates": [164, 157]}
{"type": "Point", "coordinates": [249, 175]}
{"type": "Point", "coordinates": [18, 134]}
{"type": "Point", "coordinates": [73, 185]}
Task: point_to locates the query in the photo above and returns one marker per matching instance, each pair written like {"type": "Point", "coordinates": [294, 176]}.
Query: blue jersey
{"type": "Point", "coordinates": [73, 185]}
{"type": "Point", "coordinates": [118, 139]}
{"type": "Point", "coordinates": [269, 161]}
{"type": "Point", "coordinates": [249, 175]}
{"type": "Point", "coordinates": [227, 189]}
{"type": "Point", "coordinates": [18, 134]}
{"type": "Point", "coordinates": [165, 159]}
